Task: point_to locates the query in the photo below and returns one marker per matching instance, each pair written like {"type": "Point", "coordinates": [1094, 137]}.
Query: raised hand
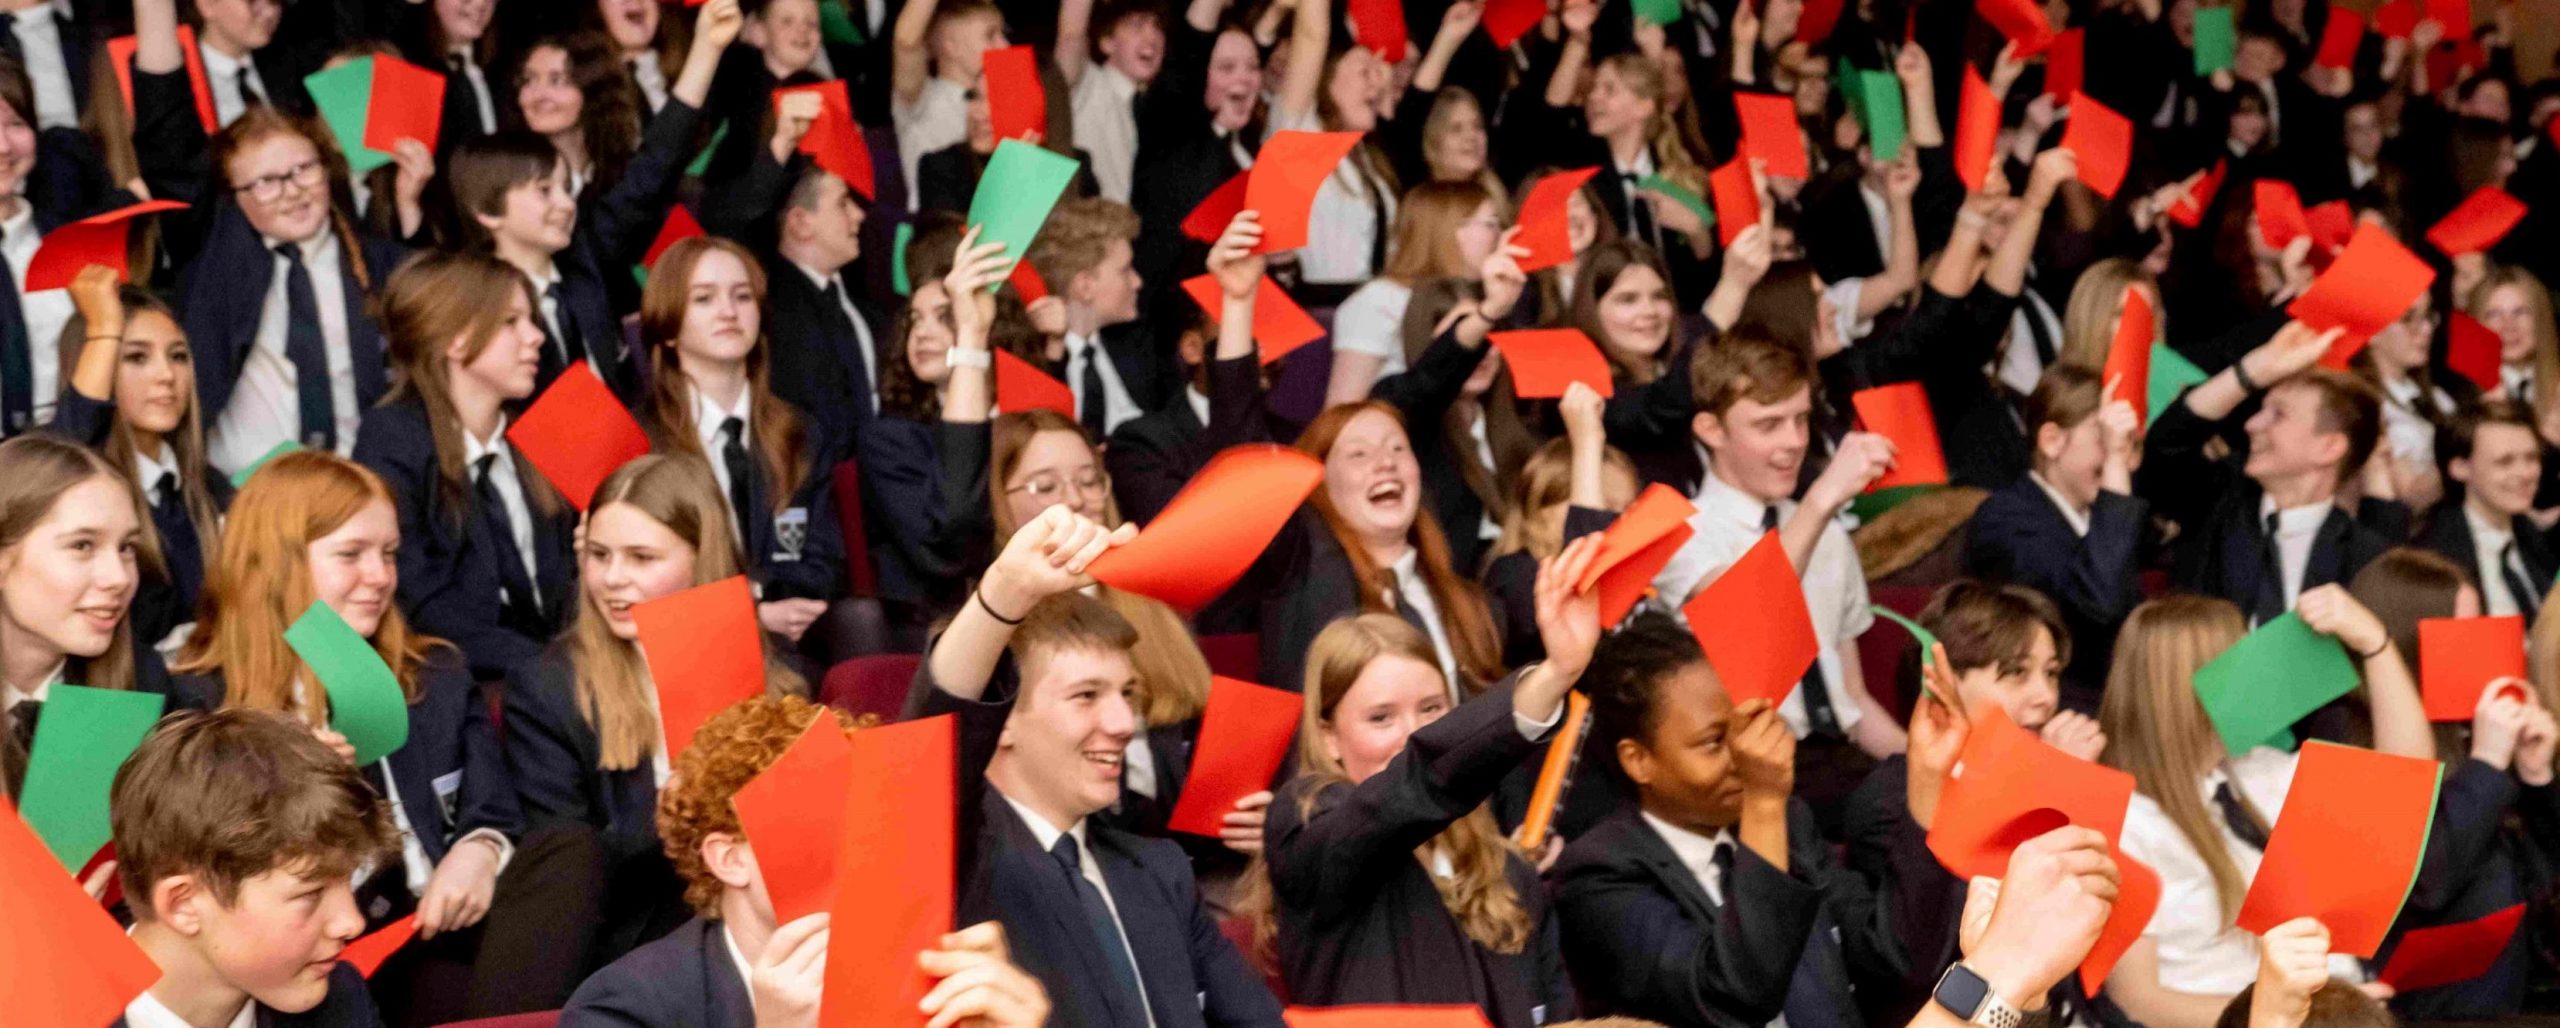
{"type": "Point", "coordinates": [2334, 612]}
{"type": "Point", "coordinates": [2293, 963]}
{"type": "Point", "coordinates": [975, 269]}
{"type": "Point", "coordinates": [1503, 279]}
{"type": "Point", "coordinates": [1232, 261]}
{"type": "Point", "coordinates": [2075, 733]}
{"type": "Point", "coordinates": [1046, 557]}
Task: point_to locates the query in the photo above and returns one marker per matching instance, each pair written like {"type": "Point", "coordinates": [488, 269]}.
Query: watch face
{"type": "Point", "coordinates": [1961, 991]}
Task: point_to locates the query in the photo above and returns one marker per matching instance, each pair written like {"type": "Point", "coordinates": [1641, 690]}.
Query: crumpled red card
{"type": "Point", "coordinates": [1214, 528]}
{"type": "Point", "coordinates": [1634, 549]}
{"type": "Point", "coordinates": [2446, 954]}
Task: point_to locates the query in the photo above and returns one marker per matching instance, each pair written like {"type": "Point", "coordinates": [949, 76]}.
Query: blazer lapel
{"type": "Point", "coordinates": [1657, 857]}
{"type": "Point", "coordinates": [364, 339]}
{"type": "Point", "coordinates": [1056, 898]}
{"type": "Point", "coordinates": [1155, 937]}
{"type": "Point", "coordinates": [725, 1002]}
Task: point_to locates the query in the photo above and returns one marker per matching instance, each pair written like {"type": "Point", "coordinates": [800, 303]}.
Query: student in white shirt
{"type": "Point", "coordinates": [633, 25]}
{"type": "Point", "coordinates": [2414, 406]}
{"type": "Point", "coordinates": [1106, 95]}
{"type": "Point", "coordinates": [1444, 230]}
{"type": "Point", "coordinates": [46, 37]}
{"type": "Point", "coordinates": [1083, 254]}
{"type": "Point", "coordinates": [1354, 212]}
{"type": "Point", "coordinates": [230, 35]}
{"type": "Point", "coordinates": [939, 50]}
{"type": "Point", "coordinates": [458, 42]}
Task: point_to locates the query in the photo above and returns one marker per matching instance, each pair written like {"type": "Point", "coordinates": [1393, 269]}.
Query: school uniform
{"type": "Point", "coordinates": [828, 342]}
{"type": "Point", "coordinates": [162, 602]}
{"type": "Point", "coordinates": [485, 570]}
{"type": "Point", "coordinates": [693, 977]}
{"type": "Point", "coordinates": [1172, 967]}
{"type": "Point", "coordinates": [2237, 545]}
{"type": "Point", "coordinates": [1153, 457]}
{"type": "Point", "coordinates": [267, 77]}
{"type": "Point", "coordinates": [53, 45]}
{"type": "Point", "coordinates": [1182, 156]}
{"type": "Point", "coordinates": [2476, 862]}
{"type": "Point", "coordinates": [2512, 563]}
{"type": "Point", "coordinates": [924, 499]}
{"type": "Point", "coordinates": [1117, 375]}
{"type": "Point", "coordinates": [348, 1005]}
{"type": "Point", "coordinates": [26, 709]}
{"type": "Point", "coordinates": [795, 549]}
{"type": "Point", "coordinates": [579, 318]}
{"type": "Point", "coordinates": [1423, 394]}
{"type": "Point", "coordinates": [68, 181]}
{"type": "Point", "coordinates": [2026, 534]}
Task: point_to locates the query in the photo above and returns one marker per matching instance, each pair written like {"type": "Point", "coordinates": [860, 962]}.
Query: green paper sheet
{"type": "Point", "coordinates": [82, 738]}
{"type": "Point", "coordinates": [702, 161]}
{"type": "Point", "coordinates": [1696, 204]}
{"type": "Point", "coordinates": [1658, 12]}
{"type": "Point", "coordinates": [241, 477]}
{"type": "Point", "coordinates": [898, 258]}
{"type": "Point", "coordinates": [1920, 637]}
{"type": "Point", "coordinates": [2171, 374]}
{"type": "Point", "coordinates": [1881, 100]}
{"type": "Point", "coordinates": [365, 702]}
{"type": "Point", "coordinates": [2216, 42]}
{"type": "Point", "coordinates": [1870, 506]}
{"type": "Point", "coordinates": [1021, 184]}
{"type": "Point", "coordinates": [1844, 81]}
{"type": "Point", "coordinates": [836, 26]}
{"type": "Point", "coordinates": [2258, 688]}
{"type": "Point", "coordinates": [344, 94]}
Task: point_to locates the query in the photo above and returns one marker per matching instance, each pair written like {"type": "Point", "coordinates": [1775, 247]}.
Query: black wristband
{"type": "Point", "coordinates": [981, 597]}
{"type": "Point", "coordinates": [2240, 372]}
{"type": "Point", "coordinates": [2377, 651]}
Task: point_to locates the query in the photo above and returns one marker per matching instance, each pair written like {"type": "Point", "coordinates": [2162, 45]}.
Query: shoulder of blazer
{"type": "Point", "coordinates": [203, 691]}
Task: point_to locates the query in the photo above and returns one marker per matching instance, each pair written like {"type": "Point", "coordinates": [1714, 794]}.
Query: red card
{"type": "Point", "coordinates": [2022, 21]}
{"type": "Point", "coordinates": [1284, 180]}
{"type": "Point", "coordinates": [680, 226]}
{"type": "Point", "coordinates": [705, 651]}
{"type": "Point", "coordinates": [407, 103]}
{"type": "Point", "coordinates": [1752, 623]}
{"type": "Point", "coordinates": [79, 969]}
{"type": "Point", "coordinates": [1737, 201]}
{"type": "Point", "coordinates": [2453, 15]}
{"type": "Point", "coordinates": [2009, 787]}
{"type": "Point", "coordinates": [2484, 217]}
{"type": "Point", "coordinates": [98, 239]}
{"type": "Point", "coordinates": [114, 892]}
{"type": "Point", "coordinates": [1542, 219]}
{"type": "Point", "coordinates": [1815, 21]}
{"type": "Point", "coordinates": [1545, 360]}
{"type": "Point", "coordinates": [2395, 20]}
{"type": "Point", "coordinates": [576, 434]}
{"type": "Point", "coordinates": [1214, 528]}
{"type": "Point", "coordinates": [2129, 357]}
{"type": "Point", "coordinates": [1385, 1016]}
{"type": "Point", "coordinates": [1634, 549]}
{"type": "Point", "coordinates": [2103, 140]}
{"type": "Point", "coordinates": [1505, 21]}
{"type": "Point", "coordinates": [368, 953]}
{"type": "Point", "coordinates": [1244, 735]}
{"type": "Point", "coordinates": [792, 814]}
{"type": "Point", "coordinates": [2339, 39]}
{"type": "Point", "coordinates": [2370, 285]}
{"type": "Point", "coordinates": [1209, 220]}
{"type": "Point", "coordinates": [2065, 63]}
{"type": "Point", "coordinates": [121, 49]}
{"type": "Point", "coordinates": [1977, 131]}
{"type": "Point", "coordinates": [1769, 133]}
{"type": "Point", "coordinates": [2137, 897]}
{"type": "Point", "coordinates": [1900, 412]}
{"type": "Point", "coordinates": [1017, 108]}
{"type": "Point", "coordinates": [2459, 657]}
{"type": "Point", "coordinates": [2331, 225]}
{"type": "Point", "coordinates": [1026, 283]}
{"type": "Point", "coordinates": [2280, 216]}
{"type": "Point", "coordinates": [2453, 60]}
{"type": "Point", "coordinates": [834, 141]}
{"type": "Point", "coordinates": [1279, 324]}
{"type": "Point", "coordinates": [1021, 386]}
{"type": "Point", "coordinates": [2188, 210]}
{"type": "Point", "coordinates": [1378, 25]}
{"type": "Point", "coordinates": [2345, 800]}
{"type": "Point", "coordinates": [2443, 955]}
{"type": "Point", "coordinates": [893, 872]}
{"type": "Point", "coordinates": [2472, 350]}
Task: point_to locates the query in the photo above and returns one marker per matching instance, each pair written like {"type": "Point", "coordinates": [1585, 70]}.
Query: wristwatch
{"type": "Point", "coordinates": [1966, 995]}
{"type": "Point", "coordinates": [960, 357]}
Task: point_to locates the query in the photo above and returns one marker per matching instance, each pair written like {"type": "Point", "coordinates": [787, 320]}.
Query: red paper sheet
{"type": "Point", "coordinates": [834, 141]}
{"type": "Point", "coordinates": [2395, 20]}
{"type": "Point", "coordinates": [705, 652]}
{"type": "Point", "coordinates": [2280, 216]}
{"type": "Point", "coordinates": [2472, 350]}
{"type": "Point", "coordinates": [2103, 140]}
{"type": "Point", "coordinates": [98, 239]}
{"type": "Point", "coordinates": [2065, 64]}
{"type": "Point", "coordinates": [893, 891]}
{"type": "Point", "coordinates": [2129, 356]}
{"type": "Point", "coordinates": [2009, 787]}
{"type": "Point", "coordinates": [792, 814]}
{"type": "Point", "coordinates": [2339, 39]}
{"type": "Point", "coordinates": [2188, 210]}
{"type": "Point", "coordinates": [1026, 283]}
{"type": "Point", "coordinates": [2369, 286]}
{"type": "Point", "coordinates": [1545, 360]}
{"type": "Point", "coordinates": [368, 953]}
{"type": "Point", "coordinates": [2445, 954]}
{"type": "Point", "coordinates": [1505, 21]}
{"type": "Point", "coordinates": [1634, 549]}
{"type": "Point", "coordinates": [1769, 133]}
{"type": "Point", "coordinates": [1815, 22]}
{"type": "Point", "coordinates": [680, 226]}
{"type": "Point", "coordinates": [1285, 177]}
{"type": "Point", "coordinates": [1209, 220]}
{"type": "Point", "coordinates": [1378, 25]}
{"type": "Point", "coordinates": [2022, 21]}
{"type": "Point", "coordinates": [2331, 225]}
{"type": "Point", "coordinates": [2453, 15]}
{"type": "Point", "coordinates": [64, 961]}
{"type": "Point", "coordinates": [2137, 897]}
{"type": "Point", "coordinates": [114, 892]}
{"type": "Point", "coordinates": [1385, 1016]}
{"type": "Point", "coordinates": [1279, 324]}
{"type": "Point", "coordinates": [2455, 60]}
{"type": "Point", "coordinates": [1737, 202]}
{"type": "Point", "coordinates": [2483, 218]}
{"type": "Point", "coordinates": [121, 49]}
{"type": "Point", "coordinates": [1542, 219]}
{"type": "Point", "coordinates": [1214, 528]}
{"type": "Point", "coordinates": [1244, 735]}
{"type": "Point", "coordinates": [2459, 657]}
{"type": "Point", "coordinates": [1017, 108]}
{"type": "Point", "coordinates": [1977, 131]}
{"type": "Point", "coordinates": [576, 434]}
{"type": "Point", "coordinates": [407, 103]}
{"type": "Point", "coordinates": [1901, 413]}
{"type": "Point", "coordinates": [1752, 623]}
{"type": "Point", "coordinates": [2345, 800]}
{"type": "Point", "coordinates": [1022, 386]}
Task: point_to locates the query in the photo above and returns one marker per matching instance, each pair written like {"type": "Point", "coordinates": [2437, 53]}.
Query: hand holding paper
{"type": "Point", "coordinates": [1245, 733]}
{"type": "Point", "coordinates": [2345, 800]}
{"type": "Point", "coordinates": [1214, 528]}
{"type": "Point", "coordinates": [366, 703]}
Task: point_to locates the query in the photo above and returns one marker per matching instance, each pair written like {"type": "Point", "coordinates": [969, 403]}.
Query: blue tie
{"type": "Point", "coordinates": [1128, 1006]}
{"type": "Point", "coordinates": [307, 347]}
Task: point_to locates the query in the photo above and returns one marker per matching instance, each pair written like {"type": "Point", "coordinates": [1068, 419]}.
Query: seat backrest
{"type": "Point", "coordinates": [537, 1019]}
{"type": "Point", "coordinates": [876, 684]}
{"type": "Point", "coordinates": [1880, 650]}
{"type": "Point", "coordinates": [860, 578]}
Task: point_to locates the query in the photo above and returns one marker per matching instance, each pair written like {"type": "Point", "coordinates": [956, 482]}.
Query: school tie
{"type": "Point", "coordinates": [1723, 859]}
{"type": "Point", "coordinates": [17, 369]}
{"type": "Point", "coordinates": [1639, 215]}
{"type": "Point", "coordinates": [522, 603]}
{"type": "Point", "coordinates": [22, 723]}
{"type": "Point", "coordinates": [840, 325]}
{"type": "Point", "coordinates": [165, 494]}
{"type": "Point", "coordinates": [2528, 601]}
{"type": "Point", "coordinates": [249, 95]}
{"type": "Point", "coordinates": [1128, 1005]}
{"type": "Point", "coordinates": [1820, 718]}
{"type": "Point", "coordinates": [733, 455]}
{"type": "Point", "coordinates": [2268, 605]}
{"type": "Point", "coordinates": [1095, 408]}
{"type": "Point", "coordinates": [1404, 607]}
{"type": "Point", "coordinates": [9, 42]}
{"type": "Point", "coordinates": [573, 346]}
{"type": "Point", "coordinates": [2243, 824]}
{"type": "Point", "coordinates": [308, 350]}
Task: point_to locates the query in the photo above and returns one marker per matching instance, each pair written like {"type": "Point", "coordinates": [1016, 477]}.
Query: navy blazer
{"type": "Point", "coordinates": [924, 498]}
{"type": "Point", "coordinates": [349, 1004]}
{"type": "Point", "coordinates": [814, 364]}
{"type": "Point", "coordinates": [2476, 864]}
{"type": "Point", "coordinates": [162, 603]}
{"type": "Point", "coordinates": [2223, 551]}
{"type": "Point", "coordinates": [2448, 533]}
{"type": "Point", "coordinates": [684, 979]}
{"type": "Point", "coordinates": [613, 233]}
{"type": "Point", "coordinates": [2019, 536]}
{"type": "Point", "coordinates": [1193, 977]}
{"type": "Point", "coordinates": [449, 572]}
{"type": "Point", "coordinates": [552, 759]}
{"type": "Point", "coordinates": [808, 564]}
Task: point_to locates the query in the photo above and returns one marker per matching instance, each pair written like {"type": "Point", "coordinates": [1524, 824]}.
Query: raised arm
{"type": "Point", "coordinates": [1046, 557]}
{"type": "Point", "coordinates": [975, 267]}
{"type": "Point", "coordinates": [1310, 32]}
{"type": "Point", "coordinates": [713, 30]}
{"type": "Point", "coordinates": [2007, 273]}
{"type": "Point", "coordinates": [1575, 58]}
{"type": "Point", "coordinates": [2399, 717]}
{"type": "Point", "coordinates": [1921, 127]}
{"type": "Point", "coordinates": [155, 30]}
{"type": "Point", "coordinates": [1074, 47]}
{"type": "Point", "coordinates": [909, 55]}
{"type": "Point", "coordinates": [1902, 267]}
{"type": "Point", "coordinates": [1460, 19]}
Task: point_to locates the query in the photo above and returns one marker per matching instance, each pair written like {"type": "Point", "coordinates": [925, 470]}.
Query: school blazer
{"type": "Point", "coordinates": [613, 233]}
{"type": "Point", "coordinates": [67, 181]}
{"type": "Point", "coordinates": [802, 559]}
{"type": "Point", "coordinates": [2448, 532]}
{"type": "Point", "coordinates": [2224, 551]}
{"type": "Point", "coordinates": [2476, 864]}
{"type": "Point", "coordinates": [349, 1004]}
{"type": "Point", "coordinates": [924, 498]}
{"type": "Point", "coordinates": [1152, 457]}
{"type": "Point", "coordinates": [449, 571]}
{"type": "Point", "coordinates": [2019, 536]}
{"type": "Point", "coordinates": [685, 979]}
{"type": "Point", "coordinates": [1193, 977]}
{"type": "Point", "coordinates": [551, 757]}
{"type": "Point", "coordinates": [813, 361]}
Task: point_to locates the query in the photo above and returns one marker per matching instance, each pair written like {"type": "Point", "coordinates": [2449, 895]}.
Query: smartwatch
{"type": "Point", "coordinates": [1963, 993]}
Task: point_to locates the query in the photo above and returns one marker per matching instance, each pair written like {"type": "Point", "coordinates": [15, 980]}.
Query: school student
{"type": "Point", "coordinates": [458, 40]}
{"type": "Point", "coordinates": [1105, 93]}
{"type": "Point", "coordinates": [583, 739]}
{"type": "Point", "coordinates": [1041, 678]}
{"type": "Point", "coordinates": [570, 90]}
{"type": "Point", "coordinates": [1713, 899]}
{"type": "Point", "coordinates": [485, 559]}
{"type": "Point", "coordinates": [2295, 990]}
{"type": "Point", "coordinates": [55, 47]}
{"type": "Point", "coordinates": [829, 340]}
{"type": "Point", "coordinates": [237, 836]}
{"type": "Point", "coordinates": [939, 50]}
{"type": "Point", "coordinates": [1568, 488]}
{"type": "Point", "coordinates": [735, 965]}
{"type": "Point", "coordinates": [1112, 362]}
{"type": "Point", "coordinates": [241, 68]}
{"type": "Point", "coordinates": [2492, 459]}
{"type": "Point", "coordinates": [48, 176]}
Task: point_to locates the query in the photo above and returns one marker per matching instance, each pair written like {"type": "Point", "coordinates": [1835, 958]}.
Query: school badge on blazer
{"type": "Point", "coordinates": [790, 533]}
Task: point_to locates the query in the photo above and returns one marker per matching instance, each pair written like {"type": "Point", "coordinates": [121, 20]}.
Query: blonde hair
{"type": "Point", "coordinates": [2157, 729]}
{"type": "Point", "coordinates": [1679, 149]}
{"type": "Point", "coordinates": [1425, 244]}
{"type": "Point", "coordinates": [1546, 482]}
{"type": "Point", "coordinates": [2088, 319]}
{"type": "Point", "coordinates": [2546, 335]}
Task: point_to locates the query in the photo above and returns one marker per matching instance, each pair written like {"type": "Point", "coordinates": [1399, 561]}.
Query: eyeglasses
{"type": "Point", "coordinates": [1049, 486]}
{"type": "Point", "coordinates": [266, 188]}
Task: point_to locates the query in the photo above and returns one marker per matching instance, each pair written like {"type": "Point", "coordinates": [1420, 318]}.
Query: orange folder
{"type": "Point", "coordinates": [2345, 800]}
{"type": "Point", "coordinates": [1214, 528]}
{"type": "Point", "coordinates": [705, 651]}
{"type": "Point", "coordinates": [1752, 623]}
{"type": "Point", "coordinates": [577, 433]}
{"type": "Point", "coordinates": [1244, 735]}
{"type": "Point", "coordinates": [1385, 1016]}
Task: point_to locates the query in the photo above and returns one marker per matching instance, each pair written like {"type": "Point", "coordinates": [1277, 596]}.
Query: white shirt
{"type": "Point", "coordinates": [708, 417]}
{"type": "Point", "coordinates": [2360, 172]}
{"type": "Point", "coordinates": [2021, 367]}
{"type": "Point", "coordinates": [502, 471]}
{"type": "Point", "coordinates": [1047, 834]}
{"type": "Point", "coordinates": [1199, 403]}
{"type": "Point", "coordinates": [147, 1012]}
{"type": "Point", "coordinates": [40, 40]}
{"type": "Point", "coordinates": [939, 117]}
{"type": "Point", "coordinates": [869, 387]}
{"type": "Point", "coordinates": [1371, 322]}
{"type": "Point", "coordinates": [2492, 553]}
{"type": "Point", "coordinates": [1835, 589]}
{"type": "Point", "coordinates": [1879, 219]}
{"type": "Point", "coordinates": [1844, 296]}
{"type": "Point", "coordinates": [2200, 951]}
{"type": "Point", "coordinates": [1417, 593]}
{"type": "Point", "coordinates": [11, 696]}
{"type": "Point", "coordinates": [43, 313]}
{"type": "Point", "coordinates": [1117, 406]}
{"type": "Point", "coordinates": [738, 961]}
{"type": "Point", "coordinates": [2405, 427]}
{"type": "Point", "coordinates": [647, 74]}
{"type": "Point", "coordinates": [2078, 519]}
{"type": "Point", "coordinates": [149, 470]}
{"type": "Point", "coordinates": [2517, 381]}
{"type": "Point", "coordinates": [1107, 128]}
{"type": "Point", "coordinates": [1345, 223]}
{"type": "Point", "coordinates": [222, 72]}
{"type": "Point", "coordinates": [479, 86]}
{"type": "Point", "coordinates": [265, 409]}
{"type": "Point", "coordinates": [2296, 529]}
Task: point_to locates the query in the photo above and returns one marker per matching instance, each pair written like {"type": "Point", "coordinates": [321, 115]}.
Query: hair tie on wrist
{"type": "Point", "coordinates": [981, 597]}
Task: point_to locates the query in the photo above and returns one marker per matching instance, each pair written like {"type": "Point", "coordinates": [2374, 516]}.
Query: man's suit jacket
{"type": "Point", "coordinates": [685, 979]}
{"type": "Point", "coordinates": [815, 349]}
{"type": "Point", "coordinates": [2019, 536]}
{"type": "Point", "coordinates": [2223, 551]}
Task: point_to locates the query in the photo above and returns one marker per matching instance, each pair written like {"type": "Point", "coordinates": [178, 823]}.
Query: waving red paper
{"type": "Point", "coordinates": [2459, 657]}
{"type": "Point", "coordinates": [2103, 140]}
{"type": "Point", "coordinates": [1245, 733]}
{"type": "Point", "coordinates": [1900, 412]}
{"type": "Point", "coordinates": [2472, 350]}
{"type": "Point", "coordinates": [1753, 625]}
{"type": "Point", "coordinates": [1286, 174]}
{"type": "Point", "coordinates": [1737, 201]}
{"type": "Point", "coordinates": [98, 239]}
{"type": "Point", "coordinates": [1769, 133]}
{"type": "Point", "coordinates": [576, 434]}
{"type": "Point", "coordinates": [1542, 219]}
{"type": "Point", "coordinates": [1977, 131]}
{"type": "Point", "coordinates": [1020, 386]}
{"type": "Point", "coordinates": [2339, 39]}
{"type": "Point", "coordinates": [1634, 549]}
{"type": "Point", "coordinates": [792, 813]}
{"type": "Point", "coordinates": [2373, 281]}
{"type": "Point", "coordinates": [1279, 324]}
{"type": "Point", "coordinates": [1209, 220]}
{"type": "Point", "coordinates": [2345, 800]}
{"type": "Point", "coordinates": [1017, 108]}
{"type": "Point", "coordinates": [2280, 216]}
{"type": "Point", "coordinates": [2128, 370]}
{"type": "Point", "coordinates": [2483, 218]}
{"type": "Point", "coordinates": [1214, 528]}
{"type": "Point", "coordinates": [1544, 361]}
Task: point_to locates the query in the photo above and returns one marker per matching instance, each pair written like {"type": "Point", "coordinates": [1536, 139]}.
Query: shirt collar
{"type": "Point", "coordinates": [1041, 829]}
{"type": "Point", "coordinates": [1199, 402]}
{"type": "Point", "coordinates": [1718, 498]}
{"type": "Point", "coordinates": [43, 689]}
{"type": "Point", "coordinates": [544, 279]}
{"type": "Point", "coordinates": [1696, 852]}
{"type": "Point", "coordinates": [820, 279]}
{"type": "Point", "coordinates": [2071, 512]}
{"type": "Point", "coordinates": [146, 1011]}
{"type": "Point", "coordinates": [221, 65]}
{"type": "Point", "coordinates": [1122, 87]}
{"type": "Point", "coordinates": [150, 468]}
{"type": "Point", "coordinates": [317, 252]}
{"type": "Point", "coordinates": [1406, 566]}
{"type": "Point", "coordinates": [2292, 520]}
{"type": "Point", "coordinates": [2403, 391]}
{"type": "Point", "coordinates": [737, 959]}
{"type": "Point", "coordinates": [708, 415]}
{"type": "Point", "coordinates": [2487, 536]}
{"type": "Point", "coordinates": [21, 223]}
{"type": "Point", "coordinates": [473, 448]}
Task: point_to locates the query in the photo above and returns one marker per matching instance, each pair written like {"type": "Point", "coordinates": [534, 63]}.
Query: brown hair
{"type": "Point", "coordinates": [186, 442]}
{"type": "Point", "coordinates": [1786, 305]}
{"type": "Point", "coordinates": [1679, 149]}
{"type": "Point", "coordinates": [2349, 406]}
{"type": "Point", "coordinates": [227, 796]}
{"type": "Point", "coordinates": [1425, 244]}
{"type": "Point", "coordinates": [2336, 1004]}
{"type": "Point", "coordinates": [782, 441]}
{"type": "Point", "coordinates": [260, 121]}
{"type": "Point", "coordinates": [1075, 238]}
{"type": "Point", "coordinates": [1601, 265]}
{"type": "Point", "coordinates": [1986, 624]}
{"type": "Point", "coordinates": [727, 752]}
{"type": "Point", "coordinates": [2157, 729]}
{"type": "Point", "coordinates": [481, 171]}
{"type": "Point", "coordinates": [2403, 586]}
{"type": "Point", "coordinates": [1746, 363]}
{"type": "Point", "coordinates": [1558, 300]}
{"type": "Point", "coordinates": [2456, 436]}
{"type": "Point", "coordinates": [36, 469]}
{"type": "Point", "coordinates": [609, 103]}
{"type": "Point", "coordinates": [1071, 621]}
{"type": "Point", "coordinates": [2546, 334]}
{"type": "Point", "coordinates": [2089, 317]}
{"type": "Point", "coordinates": [1545, 482]}
{"type": "Point", "coordinates": [2065, 396]}
{"type": "Point", "coordinates": [432, 299]}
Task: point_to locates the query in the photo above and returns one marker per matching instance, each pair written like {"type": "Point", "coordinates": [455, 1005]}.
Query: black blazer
{"type": "Point", "coordinates": [924, 499]}
{"type": "Point", "coordinates": [2224, 551]}
{"type": "Point", "coordinates": [613, 233]}
{"type": "Point", "coordinates": [163, 602]}
{"type": "Point", "coordinates": [947, 179]}
{"type": "Point", "coordinates": [685, 979]}
{"type": "Point", "coordinates": [1151, 457]}
{"type": "Point", "coordinates": [1192, 975]}
{"type": "Point", "coordinates": [551, 758]}
{"type": "Point", "coordinates": [820, 361]}
{"type": "Point", "coordinates": [2476, 863]}
{"type": "Point", "coordinates": [2448, 532]}
{"type": "Point", "coordinates": [449, 571]}
{"type": "Point", "coordinates": [808, 564]}
{"type": "Point", "coordinates": [349, 1004]}
{"type": "Point", "coordinates": [1423, 393]}
{"type": "Point", "coordinates": [2019, 536]}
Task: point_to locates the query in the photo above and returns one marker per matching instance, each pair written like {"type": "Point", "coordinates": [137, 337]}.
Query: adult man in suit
{"type": "Point", "coordinates": [1039, 675]}
{"type": "Point", "coordinates": [1083, 254]}
{"type": "Point", "coordinates": [2493, 453]}
{"type": "Point", "coordinates": [826, 337]}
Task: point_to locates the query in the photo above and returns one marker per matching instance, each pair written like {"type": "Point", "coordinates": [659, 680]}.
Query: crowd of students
{"type": "Point", "coordinates": [293, 387]}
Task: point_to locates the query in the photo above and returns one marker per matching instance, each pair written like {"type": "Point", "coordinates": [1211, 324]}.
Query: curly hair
{"type": "Point", "coordinates": [728, 751]}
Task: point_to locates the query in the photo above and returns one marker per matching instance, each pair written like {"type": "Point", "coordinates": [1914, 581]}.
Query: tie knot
{"type": "Point", "coordinates": [484, 465]}
{"type": "Point", "coordinates": [1070, 856]}
{"type": "Point", "coordinates": [833, 290]}
{"type": "Point", "coordinates": [166, 486]}
{"type": "Point", "coordinates": [291, 253]}
{"type": "Point", "coordinates": [734, 428]}
{"type": "Point", "coordinates": [1769, 517]}
{"type": "Point", "coordinates": [551, 290]}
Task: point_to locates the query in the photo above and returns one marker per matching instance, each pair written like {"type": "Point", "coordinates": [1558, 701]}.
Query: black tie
{"type": "Point", "coordinates": [840, 323]}
{"type": "Point", "coordinates": [1639, 215]}
{"type": "Point", "coordinates": [1821, 720]}
{"type": "Point", "coordinates": [2268, 605]}
{"type": "Point", "coordinates": [1122, 990]}
{"type": "Point", "coordinates": [22, 722]}
{"type": "Point", "coordinates": [1723, 859]}
{"type": "Point", "coordinates": [571, 347]}
{"type": "Point", "coordinates": [2528, 600]}
{"type": "Point", "coordinates": [1404, 608]}
{"type": "Point", "coordinates": [308, 350]}
{"type": "Point", "coordinates": [17, 369]}
{"type": "Point", "coordinates": [1091, 401]}
{"type": "Point", "coordinates": [733, 454]}
{"type": "Point", "coordinates": [249, 95]}
{"type": "Point", "coordinates": [523, 605]}
{"type": "Point", "coordinates": [2037, 333]}
{"type": "Point", "coordinates": [2243, 823]}
{"type": "Point", "coordinates": [166, 495]}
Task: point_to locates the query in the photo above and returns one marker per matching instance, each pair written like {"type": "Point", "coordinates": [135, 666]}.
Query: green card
{"type": "Point", "coordinates": [1844, 81]}
{"type": "Point", "coordinates": [343, 94]}
{"type": "Point", "coordinates": [2258, 688]}
{"type": "Point", "coordinates": [1021, 184]}
{"type": "Point", "coordinates": [1921, 637]}
{"type": "Point", "coordinates": [81, 739]}
{"type": "Point", "coordinates": [702, 161]}
{"type": "Point", "coordinates": [1881, 98]}
{"type": "Point", "coordinates": [2171, 374]}
{"type": "Point", "coordinates": [836, 26]}
{"type": "Point", "coordinates": [898, 258]}
{"type": "Point", "coordinates": [365, 701]}
{"type": "Point", "coordinates": [1658, 12]}
{"type": "Point", "coordinates": [241, 477]}
{"type": "Point", "coordinates": [2216, 42]}
{"type": "Point", "coordinates": [1870, 506]}
{"type": "Point", "coordinates": [1696, 204]}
